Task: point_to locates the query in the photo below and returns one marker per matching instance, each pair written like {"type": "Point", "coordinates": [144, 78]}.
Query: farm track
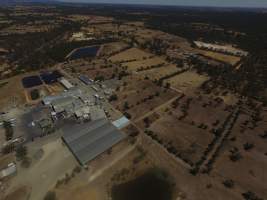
{"type": "Point", "coordinates": [156, 109]}
{"type": "Point", "coordinates": [210, 158]}
{"type": "Point", "coordinates": [177, 159]}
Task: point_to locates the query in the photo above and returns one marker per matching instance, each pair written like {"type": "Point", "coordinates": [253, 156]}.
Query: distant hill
{"type": "Point", "coordinates": [8, 2]}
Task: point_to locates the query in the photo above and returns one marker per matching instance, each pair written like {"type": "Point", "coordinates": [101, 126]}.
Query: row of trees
{"type": "Point", "coordinates": [226, 126]}
{"type": "Point", "coordinates": [169, 147]}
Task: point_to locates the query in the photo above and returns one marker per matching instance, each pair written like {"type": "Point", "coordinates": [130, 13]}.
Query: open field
{"type": "Point", "coordinates": [206, 110]}
{"type": "Point", "coordinates": [189, 141]}
{"type": "Point", "coordinates": [21, 193]}
{"type": "Point", "coordinates": [106, 73]}
{"type": "Point", "coordinates": [187, 81]}
{"type": "Point", "coordinates": [185, 125]}
{"type": "Point", "coordinates": [144, 64]}
{"type": "Point", "coordinates": [249, 171]}
{"type": "Point", "coordinates": [159, 72]}
{"type": "Point", "coordinates": [130, 55]}
{"type": "Point", "coordinates": [111, 48]}
{"type": "Point", "coordinates": [141, 96]}
{"type": "Point", "coordinates": [232, 60]}
{"type": "Point", "coordinates": [22, 29]}
{"type": "Point", "coordinates": [12, 93]}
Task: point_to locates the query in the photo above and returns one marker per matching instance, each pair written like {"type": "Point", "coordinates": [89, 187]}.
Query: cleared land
{"type": "Point", "coordinates": [184, 126]}
{"type": "Point", "coordinates": [12, 93]}
{"type": "Point", "coordinates": [248, 172]}
{"type": "Point", "coordinates": [140, 96]}
{"type": "Point", "coordinates": [145, 63]}
{"type": "Point", "coordinates": [55, 161]}
{"type": "Point", "coordinates": [130, 55]}
{"type": "Point", "coordinates": [187, 81]}
{"type": "Point", "coordinates": [159, 72]}
{"type": "Point", "coordinates": [232, 60]}
{"type": "Point", "coordinates": [111, 48]}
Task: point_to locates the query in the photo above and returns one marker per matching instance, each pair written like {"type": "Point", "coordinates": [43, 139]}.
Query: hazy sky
{"type": "Point", "coordinates": [226, 3]}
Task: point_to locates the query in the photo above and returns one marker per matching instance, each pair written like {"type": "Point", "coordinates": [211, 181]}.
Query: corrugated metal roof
{"type": "Point", "coordinates": [66, 83]}
{"type": "Point", "coordinates": [85, 79]}
{"type": "Point", "coordinates": [121, 122]}
{"type": "Point", "coordinates": [87, 141]}
{"type": "Point", "coordinates": [11, 169]}
{"type": "Point", "coordinates": [72, 92]}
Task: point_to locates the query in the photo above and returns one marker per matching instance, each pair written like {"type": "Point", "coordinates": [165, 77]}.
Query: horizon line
{"type": "Point", "coordinates": [162, 5]}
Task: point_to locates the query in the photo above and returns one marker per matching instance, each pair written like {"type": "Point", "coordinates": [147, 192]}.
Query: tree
{"type": "Point", "coordinates": [250, 196]}
{"type": "Point", "coordinates": [247, 146]}
{"type": "Point", "coordinates": [147, 122]}
{"type": "Point", "coordinates": [127, 115]}
{"type": "Point", "coordinates": [99, 78]}
{"type": "Point", "coordinates": [126, 105]}
{"type": "Point", "coordinates": [8, 148]}
{"type": "Point", "coordinates": [50, 195]}
{"type": "Point", "coordinates": [21, 152]}
{"type": "Point", "coordinates": [228, 183]}
{"type": "Point", "coordinates": [8, 130]}
{"type": "Point", "coordinates": [113, 97]}
{"type": "Point", "coordinates": [35, 94]}
{"type": "Point", "coordinates": [157, 94]}
{"type": "Point", "coordinates": [168, 85]}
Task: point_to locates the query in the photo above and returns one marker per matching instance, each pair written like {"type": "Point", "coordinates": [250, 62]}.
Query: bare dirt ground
{"type": "Point", "coordinates": [92, 183]}
{"type": "Point", "coordinates": [188, 187]}
{"type": "Point", "coordinates": [22, 193]}
{"type": "Point", "coordinates": [5, 160]}
{"type": "Point", "coordinates": [232, 60]}
{"type": "Point", "coordinates": [12, 93]}
{"type": "Point", "coordinates": [44, 172]}
{"type": "Point", "coordinates": [145, 62]}
{"type": "Point", "coordinates": [43, 91]}
{"type": "Point", "coordinates": [54, 88]}
{"type": "Point", "coordinates": [130, 55]}
{"type": "Point", "coordinates": [189, 141]}
{"type": "Point", "coordinates": [111, 48]}
{"type": "Point", "coordinates": [249, 172]}
{"type": "Point", "coordinates": [131, 166]}
{"type": "Point", "coordinates": [141, 96]}
{"type": "Point", "coordinates": [157, 73]}
{"type": "Point", "coordinates": [187, 81]}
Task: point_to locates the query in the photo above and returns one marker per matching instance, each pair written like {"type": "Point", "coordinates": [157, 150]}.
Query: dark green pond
{"type": "Point", "coordinates": [153, 185]}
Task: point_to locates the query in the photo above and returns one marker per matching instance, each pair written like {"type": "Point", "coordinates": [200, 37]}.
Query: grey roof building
{"type": "Point", "coordinates": [72, 92]}
{"type": "Point", "coordinates": [10, 170]}
{"type": "Point", "coordinates": [87, 141]}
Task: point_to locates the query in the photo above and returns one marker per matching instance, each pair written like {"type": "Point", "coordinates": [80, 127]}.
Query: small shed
{"type": "Point", "coordinates": [10, 170]}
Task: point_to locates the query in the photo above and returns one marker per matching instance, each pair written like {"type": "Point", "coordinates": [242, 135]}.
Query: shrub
{"type": "Point", "coordinates": [228, 183]}
{"type": "Point", "coordinates": [50, 195]}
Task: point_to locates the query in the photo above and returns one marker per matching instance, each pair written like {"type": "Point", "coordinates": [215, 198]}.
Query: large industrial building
{"type": "Point", "coordinates": [86, 141]}
{"type": "Point", "coordinates": [95, 133]}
